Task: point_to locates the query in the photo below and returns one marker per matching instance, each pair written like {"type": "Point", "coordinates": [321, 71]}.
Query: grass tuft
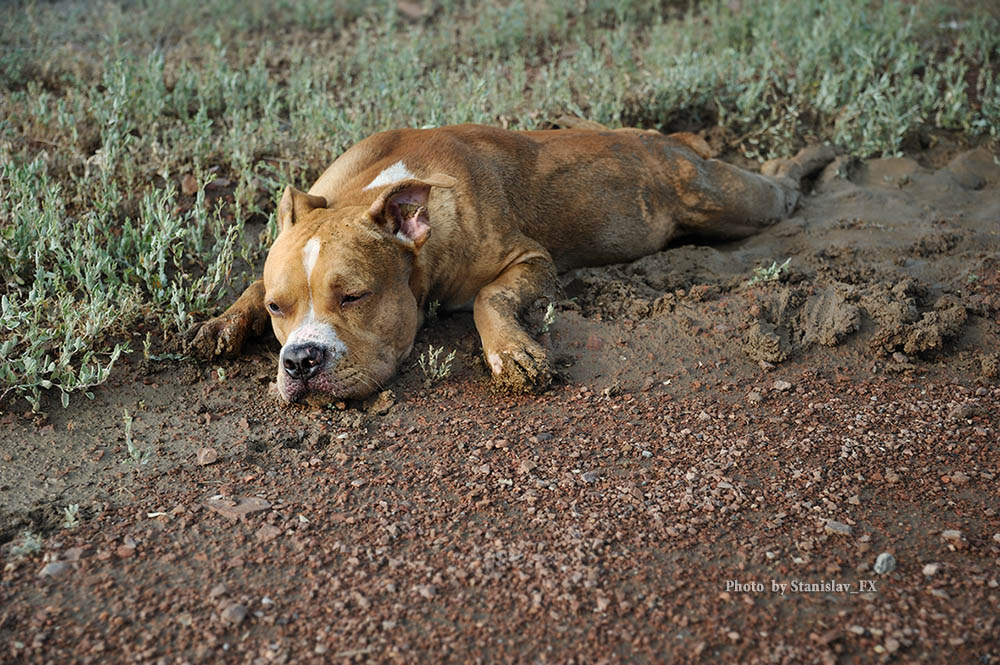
{"type": "Point", "coordinates": [434, 367]}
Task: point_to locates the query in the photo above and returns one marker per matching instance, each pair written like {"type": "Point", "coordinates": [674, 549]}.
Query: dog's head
{"type": "Point", "coordinates": [337, 288]}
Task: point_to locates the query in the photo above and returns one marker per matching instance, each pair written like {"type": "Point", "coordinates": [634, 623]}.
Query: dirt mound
{"type": "Point", "coordinates": [884, 251]}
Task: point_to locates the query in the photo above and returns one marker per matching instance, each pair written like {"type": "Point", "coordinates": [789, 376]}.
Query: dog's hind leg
{"type": "Point", "coordinates": [721, 200]}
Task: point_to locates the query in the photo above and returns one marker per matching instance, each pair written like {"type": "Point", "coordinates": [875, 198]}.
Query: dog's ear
{"type": "Point", "coordinates": [401, 209]}
{"type": "Point", "coordinates": [295, 205]}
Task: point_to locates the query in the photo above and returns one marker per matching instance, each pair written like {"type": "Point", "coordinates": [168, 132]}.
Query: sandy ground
{"type": "Point", "coordinates": [712, 478]}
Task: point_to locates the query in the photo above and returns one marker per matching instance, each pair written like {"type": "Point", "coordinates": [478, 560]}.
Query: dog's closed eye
{"type": "Point", "coordinates": [353, 298]}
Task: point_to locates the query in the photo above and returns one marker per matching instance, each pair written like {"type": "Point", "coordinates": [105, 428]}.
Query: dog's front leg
{"type": "Point", "coordinates": [518, 362]}
{"type": "Point", "coordinates": [226, 333]}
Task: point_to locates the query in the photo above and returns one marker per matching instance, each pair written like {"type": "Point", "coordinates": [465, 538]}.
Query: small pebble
{"type": "Point", "coordinates": [837, 528]}
{"type": "Point", "coordinates": [931, 569]}
{"type": "Point", "coordinates": [885, 563]}
{"type": "Point", "coordinates": [952, 535]}
{"type": "Point", "coordinates": [782, 386]}
{"type": "Point", "coordinates": [206, 456]}
{"type": "Point", "coordinates": [267, 533]}
{"type": "Point", "coordinates": [234, 614]}
{"type": "Point", "coordinates": [55, 569]}
{"type": "Point", "coordinates": [754, 397]}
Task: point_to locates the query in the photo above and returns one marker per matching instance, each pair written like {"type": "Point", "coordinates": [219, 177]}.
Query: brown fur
{"type": "Point", "coordinates": [506, 211]}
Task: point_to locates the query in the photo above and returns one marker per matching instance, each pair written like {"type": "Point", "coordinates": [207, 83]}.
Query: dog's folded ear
{"type": "Point", "coordinates": [401, 208]}
{"type": "Point", "coordinates": [295, 205]}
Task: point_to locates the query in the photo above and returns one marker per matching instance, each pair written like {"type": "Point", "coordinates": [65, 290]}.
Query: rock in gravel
{"type": "Point", "coordinates": [76, 553]}
{"type": "Point", "coordinates": [931, 569]}
{"type": "Point", "coordinates": [885, 563]}
{"type": "Point", "coordinates": [427, 591]}
{"type": "Point", "coordinates": [206, 456]}
{"type": "Point", "coordinates": [267, 533]}
{"type": "Point", "coordinates": [234, 614]}
{"type": "Point", "coordinates": [959, 478]}
{"type": "Point", "coordinates": [237, 509]}
{"type": "Point", "coordinates": [590, 476]}
{"type": "Point", "coordinates": [837, 528]}
{"type": "Point", "coordinates": [953, 536]}
{"type": "Point", "coordinates": [782, 386]}
{"type": "Point", "coordinates": [754, 397]}
{"type": "Point", "coordinates": [218, 590]}
{"type": "Point", "coordinates": [55, 569]}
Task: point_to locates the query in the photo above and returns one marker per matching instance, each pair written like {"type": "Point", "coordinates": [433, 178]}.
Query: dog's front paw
{"type": "Point", "coordinates": [520, 365]}
{"type": "Point", "coordinates": [222, 336]}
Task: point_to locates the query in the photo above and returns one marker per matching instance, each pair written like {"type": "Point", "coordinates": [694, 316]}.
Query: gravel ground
{"type": "Point", "coordinates": [800, 471]}
{"type": "Point", "coordinates": [639, 527]}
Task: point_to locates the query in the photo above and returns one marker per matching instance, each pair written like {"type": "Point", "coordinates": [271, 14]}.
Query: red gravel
{"type": "Point", "coordinates": [491, 531]}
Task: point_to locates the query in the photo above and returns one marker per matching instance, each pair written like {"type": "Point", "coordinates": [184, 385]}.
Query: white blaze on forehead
{"type": "Point", "coordinates": [312, 330]}
{"type": "Point", "coordinates": [394, 173]}
{"type": "Point", "coordinates": [310, 253]}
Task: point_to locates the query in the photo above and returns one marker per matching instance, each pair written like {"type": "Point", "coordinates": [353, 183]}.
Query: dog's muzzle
{"type": "Point", "coordinates": [303, 361]}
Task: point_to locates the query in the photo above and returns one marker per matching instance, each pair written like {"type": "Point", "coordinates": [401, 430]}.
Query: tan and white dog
{"type": "Point", "coordinates": [482, 216]}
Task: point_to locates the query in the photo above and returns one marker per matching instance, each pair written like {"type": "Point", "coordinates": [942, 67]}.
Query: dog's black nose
{"type": "Point", "coordinates": [303, 361]}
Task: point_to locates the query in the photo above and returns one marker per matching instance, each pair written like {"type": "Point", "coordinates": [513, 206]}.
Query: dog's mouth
{"type": "Point", "coordinates": [327, 386]}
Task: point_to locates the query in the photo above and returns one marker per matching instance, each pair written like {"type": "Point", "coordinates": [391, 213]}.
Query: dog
{"type": "Point", "coordinates": [469, 215]}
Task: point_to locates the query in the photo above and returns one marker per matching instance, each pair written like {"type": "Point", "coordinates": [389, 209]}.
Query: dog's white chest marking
{"type": "Point", "coordinates": [312, 330]}
{"type": "Point", "coordinates": [394, 173]}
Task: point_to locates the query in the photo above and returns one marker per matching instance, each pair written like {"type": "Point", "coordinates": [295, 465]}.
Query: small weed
{"type": "Point", "coordinates": [136, 455]}
{"type": "Point", "coordinates": [71, 516]}
{"type": "Point", "coordinates": [432, 309]}
{"type": "Point", "coordinates": [549, 319]}
{"type": "Point", "coordinates": [433, 367]}
{"type": "Point", "coordinates": [762, 275]}
{"type": "Point", "coordinates": [31, 543]}
{"type": "Point", "coordinates": [972, 278]}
